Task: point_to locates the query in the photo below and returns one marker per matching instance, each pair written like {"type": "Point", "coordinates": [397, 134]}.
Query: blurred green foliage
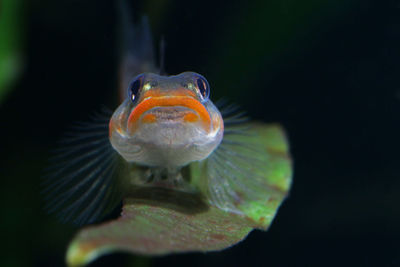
{"type": "Point", "coordinates": [11, 43]}
{"type": "Point", "coordinates": [256, 41]}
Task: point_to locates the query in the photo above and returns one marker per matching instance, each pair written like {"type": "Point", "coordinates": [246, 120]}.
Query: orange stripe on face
{"type": "Point", "coordinates": [178, 98]}
{"type": "Point", "coordinates": [149, 118]}
{"type": "Point", "coordinates": [190, 117]}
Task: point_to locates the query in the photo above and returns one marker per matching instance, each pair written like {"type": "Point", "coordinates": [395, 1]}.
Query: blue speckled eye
{"type": "Point", "coordinates": [203, 86]}
{"type": "Point", "coordinates": [134, 87]}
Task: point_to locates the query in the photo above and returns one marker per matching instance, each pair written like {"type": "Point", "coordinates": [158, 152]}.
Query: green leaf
{"type": "Point", "coordinates": [10, 43]}
{"type": "Point", "coordinates": [159, 221]}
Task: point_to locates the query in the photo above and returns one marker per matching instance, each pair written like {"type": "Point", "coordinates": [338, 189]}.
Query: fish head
{"type": "Point", "coordinates": [166, 121]}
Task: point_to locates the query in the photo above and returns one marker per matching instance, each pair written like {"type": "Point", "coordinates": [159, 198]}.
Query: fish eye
{"type": "Point", "coordinates": [134, 87]}
{"type": "Point", "coordinates": [203, 86]}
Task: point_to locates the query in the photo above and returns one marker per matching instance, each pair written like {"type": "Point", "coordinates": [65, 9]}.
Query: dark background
{"type": "Point", "coordinates": [328, 71]}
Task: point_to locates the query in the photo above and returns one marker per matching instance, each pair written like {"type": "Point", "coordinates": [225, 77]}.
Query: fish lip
{"type": "Point", "coordinates": [169, 113]}
{"type": "Point", "coordinates": [181, 104]}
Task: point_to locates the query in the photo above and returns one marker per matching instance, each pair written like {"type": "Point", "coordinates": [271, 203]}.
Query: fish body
{"type": "Point", "coordinates": [164, 124]}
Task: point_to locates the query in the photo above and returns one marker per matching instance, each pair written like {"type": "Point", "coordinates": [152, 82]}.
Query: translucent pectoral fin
{"type": "Point", "coordinates": [82, 183]}
{"type": "Point", "coordinates": [249, 174]}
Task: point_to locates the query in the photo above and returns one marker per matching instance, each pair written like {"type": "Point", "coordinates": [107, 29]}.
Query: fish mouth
{"type": "Point", "coordinates": [169, 109]}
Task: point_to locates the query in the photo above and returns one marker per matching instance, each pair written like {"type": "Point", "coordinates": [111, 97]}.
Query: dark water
{"type": "Point", "coordinates": [326, 70]}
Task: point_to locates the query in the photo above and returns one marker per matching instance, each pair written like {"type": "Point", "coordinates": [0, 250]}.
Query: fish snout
{"type": "Point", "coordinates": [169, 110]}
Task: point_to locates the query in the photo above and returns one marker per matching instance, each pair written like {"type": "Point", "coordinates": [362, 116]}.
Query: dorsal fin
{"type": "Point", "coordinates": [136, 49]}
